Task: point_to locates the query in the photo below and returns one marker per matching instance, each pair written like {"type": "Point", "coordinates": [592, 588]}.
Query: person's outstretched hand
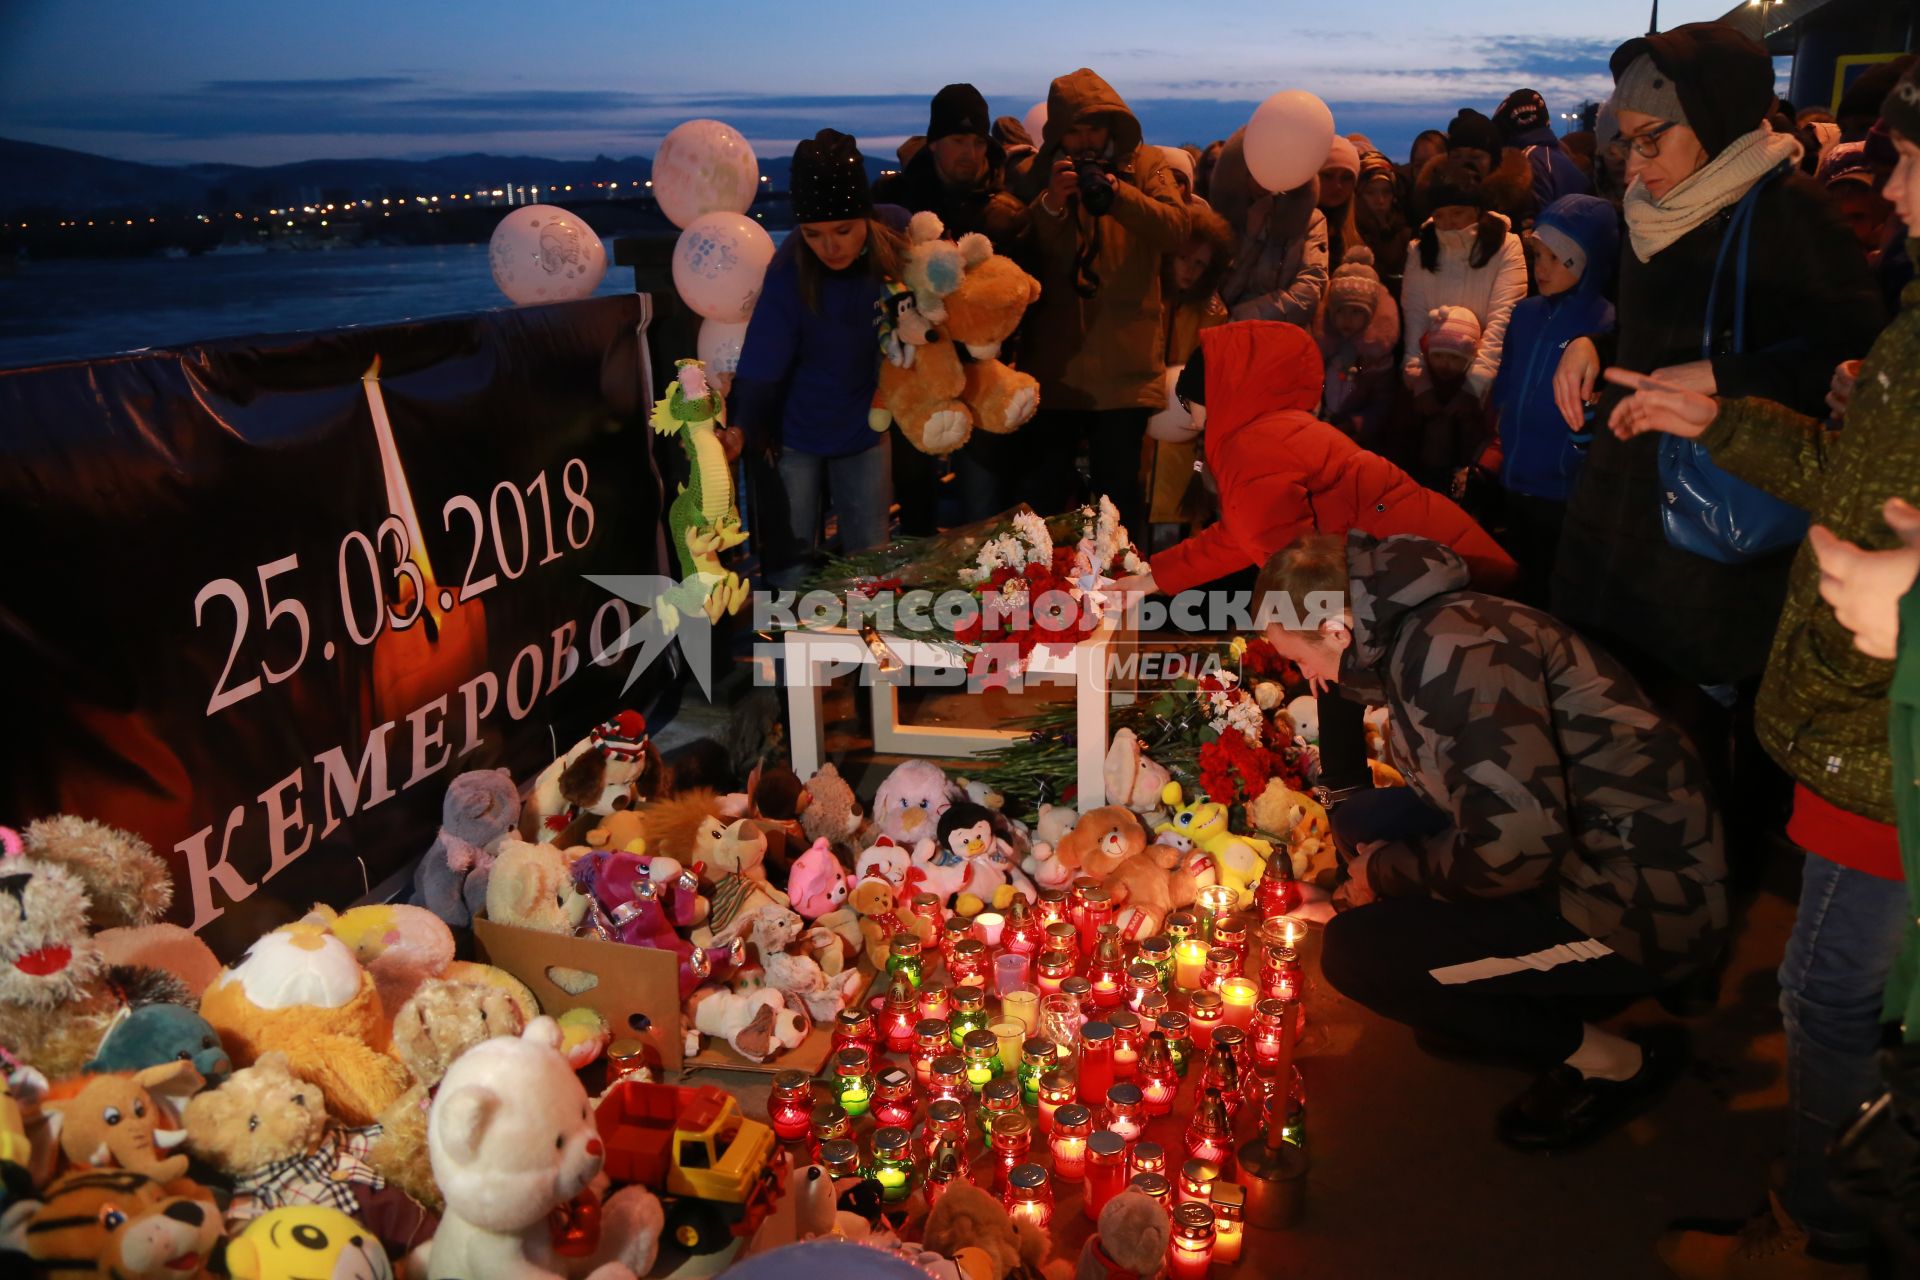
{"type": "Point", "coordinates": [1573, 381]}
{"type": "Point", "coordinates": [1657, 405]}
{"type": "Point", "coordinates": [1864, 587]}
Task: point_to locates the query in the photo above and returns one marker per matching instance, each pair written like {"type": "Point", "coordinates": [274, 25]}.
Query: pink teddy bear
{"type": "Point", "coordinates": [818, 887]}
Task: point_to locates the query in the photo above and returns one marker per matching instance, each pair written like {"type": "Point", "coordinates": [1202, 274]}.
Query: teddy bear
{"type": "Point", "coordinates": [1130, 1241]}
{"type": "Point", "coordinates": [876, 906]}
{"type": "Point", "coordinates": [1303, 713]}
{"type": "Point", "coordinates": [117, 1225]}
{"type": "Point", "coordinates": [442, 1021]}
{"type": "Point", "coordinates": [299, 990]}
{"type": "Point", "coordinates": [512, 1138]}
{"type": "Point", "coordinates": [1132, 778]}
{"type": "Point", "coordinates": [1051, 825]}
{"type": "Point", "coordinates": [818, 887]}
{"type": "Point", "coordinates": [832, 811]}
{"type": "Point", "coordinates": [982, 314]}
{"type": "Point", "coordinates": [481, 808]}
{"type": "Point", "coordinates": [306, 1241]}
{"type": "Point", "coordinates": [614, 767]}
{"type": "Point", "coordinates": [156, 1034]}
{"type": "Point", "coordinates": [1109, 845]}
{"type": "Point", "coordinates": [623, 829]}
{"type": "Point", "coordinates": [966, 1218]}
{"type": "Point", "coordinates": [400, 945]}
{"type": "Point", "coordinates": [757, 1025]}
{"type": "Point", "coordinates": [1298, 822]}
{"type": "Point", "coordinates": [124, 1121]}
{"type": "Point", "coordinates": [908, 805]}
{"type": "Point", "coordinates": [532, 887]}
{"type": "Point", "coordinates": [777, 802]}
{"type": "Point", "coordinates": [770, 934]}
{"type": "Point", "coordinates": [62, 883]}
{"type": "Point", "coordinates": [267, 1129]}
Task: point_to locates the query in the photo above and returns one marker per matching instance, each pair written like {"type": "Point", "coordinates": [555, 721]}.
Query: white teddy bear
{"type": "Point", "coordinates": [511, 1136]}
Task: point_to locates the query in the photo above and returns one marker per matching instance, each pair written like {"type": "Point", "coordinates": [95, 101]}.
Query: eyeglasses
{"type": "Point", "coordinates": [1647, 145]}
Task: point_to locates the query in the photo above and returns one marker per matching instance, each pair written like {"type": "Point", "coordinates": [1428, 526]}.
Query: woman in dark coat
{"type": "Point", "coordinates": [1692, 103]}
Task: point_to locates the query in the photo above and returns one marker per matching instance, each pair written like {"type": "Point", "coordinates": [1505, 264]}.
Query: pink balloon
{"type": "Point", "coordinates": [719, 263]}
{"type": "Point", "coordinates": [541, 253]}
{"type": "Point", "coordinates": [702, 167]}
{"type": "Point", "coordinates": [1288, 140]}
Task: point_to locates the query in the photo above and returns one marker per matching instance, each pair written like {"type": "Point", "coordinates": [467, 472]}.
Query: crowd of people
{"type": "Point", "coordinates": [1607, 381]}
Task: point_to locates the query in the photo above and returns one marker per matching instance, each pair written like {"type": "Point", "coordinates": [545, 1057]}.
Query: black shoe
{"type": "Point", "coordinates": [1563, 1109]}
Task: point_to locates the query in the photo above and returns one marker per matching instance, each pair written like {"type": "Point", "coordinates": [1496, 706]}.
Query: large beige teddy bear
{"type": "Point", "coordinates": [512, 1138]}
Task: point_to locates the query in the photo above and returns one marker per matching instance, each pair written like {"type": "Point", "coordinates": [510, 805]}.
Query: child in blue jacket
{"type": "Point", "coordinates": [1574, 247]}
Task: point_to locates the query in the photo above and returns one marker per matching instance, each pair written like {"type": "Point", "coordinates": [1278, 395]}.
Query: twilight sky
{"type": "Point", "coordinates": [263, 83]}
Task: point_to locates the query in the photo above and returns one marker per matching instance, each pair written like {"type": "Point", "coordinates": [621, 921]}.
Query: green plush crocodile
{"type": "Point", "coordinates": [703, 520]}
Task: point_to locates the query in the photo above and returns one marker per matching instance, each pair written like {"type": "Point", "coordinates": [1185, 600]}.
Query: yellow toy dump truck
{"type": "Point", "coordinates": [713, 1168]}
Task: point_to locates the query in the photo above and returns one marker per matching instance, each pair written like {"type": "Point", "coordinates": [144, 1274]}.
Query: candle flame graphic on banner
{"type": "Point", "coordinates": [414, 664]}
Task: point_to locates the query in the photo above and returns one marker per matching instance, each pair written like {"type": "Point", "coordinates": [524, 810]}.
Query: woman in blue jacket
{"type": "Point", "coordinates": [1574, 247]}
{"type": "Point", "coordinates": [811, 361]}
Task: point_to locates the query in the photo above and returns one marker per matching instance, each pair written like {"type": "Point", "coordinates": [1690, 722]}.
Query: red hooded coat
{"type": "Point", "coordinates": [1282, 473]}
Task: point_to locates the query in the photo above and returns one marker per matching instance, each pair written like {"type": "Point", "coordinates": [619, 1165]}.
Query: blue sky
{"type": "Point", "coordinates": [268, 81]}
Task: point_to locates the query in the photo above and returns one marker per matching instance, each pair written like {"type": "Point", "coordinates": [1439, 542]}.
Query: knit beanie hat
{"type": "Point", "coordinates": [1522, 112]}
{"type": "Point", "coordinates": [1709, 76]}
{"type": "Point", "coordinates": [958, 108]}
{"type": "Point", "coordinates": [1471, 129]}
{"type": "Point", "coordinates": [1343, 155]}
{"type": "Point", "coordinates": [1901, 110]}
{"type": "Point", "coordinates": [828, 181]}
{"type": "Point", "coordinates": [1375, 167]}
{"type": "Point", "coordinates": [1454, 329]}
{"type": "Point", "coordinates": [1354, 282]}
{"type": "Point", "coordinates": [1451, 180]}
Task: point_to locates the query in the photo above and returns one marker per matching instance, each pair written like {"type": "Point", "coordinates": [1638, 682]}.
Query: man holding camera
{"type": "Point", "coordinates": [1105, 211]}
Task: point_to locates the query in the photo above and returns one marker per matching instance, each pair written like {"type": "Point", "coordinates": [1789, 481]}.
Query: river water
{"type": "Point", "coordinates": [64, 309]}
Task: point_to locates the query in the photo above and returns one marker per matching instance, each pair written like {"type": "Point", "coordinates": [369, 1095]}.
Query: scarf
{"type": "Point", "coordinates": [1652, 224]}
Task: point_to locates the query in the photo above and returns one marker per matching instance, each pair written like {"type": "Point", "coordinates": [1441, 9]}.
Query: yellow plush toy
{"type": "Point", "coordinates": [1238, 860]}
{"type": "Point", "coordinates": [306, 1242]}
{"type": "Point", "coordinates": [299, 990]}
{"type": "Point", "coordinates": [940, 383]}
{"type": "Point", "coordinates": [1300, 822]}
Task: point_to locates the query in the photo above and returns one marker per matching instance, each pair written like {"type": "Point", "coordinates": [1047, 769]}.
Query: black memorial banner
{"type": "Point", "coordinates": [264, 598]}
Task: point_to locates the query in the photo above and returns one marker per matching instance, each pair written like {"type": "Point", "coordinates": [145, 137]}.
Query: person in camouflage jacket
{"type": "Point", "coordinates": [1570, 854]}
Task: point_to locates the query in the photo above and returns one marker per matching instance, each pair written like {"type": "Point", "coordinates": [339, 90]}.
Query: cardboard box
{"type": "Point", "coordinates": [637, 991]}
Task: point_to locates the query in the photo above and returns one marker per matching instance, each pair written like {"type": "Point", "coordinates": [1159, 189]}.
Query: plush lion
{"type": "Point", "coordinates": [693, 829]}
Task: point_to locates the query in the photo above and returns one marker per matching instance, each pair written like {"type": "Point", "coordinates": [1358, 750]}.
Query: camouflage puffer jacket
{"type": "Point", "coordinates": [1822, 711]}
{"type": "Point", "coordinates": [1562, 779]}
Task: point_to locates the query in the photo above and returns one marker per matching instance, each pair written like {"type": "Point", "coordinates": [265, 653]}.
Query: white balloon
{"type": "Point", "coordinates": [1288, 140]}
{"type": "Point", "coordinates": [703, 167]}
{"type": "Point", "coordinates": [1036, 121]}
{"type": "Point", "coordinates": [542, 253]}
{"type": "Point", "coordinates": [720, 343]}
{"type": "Point", "coordinates": [719, 263]}
{"type": "Point", "coordinates": [1173, 424]}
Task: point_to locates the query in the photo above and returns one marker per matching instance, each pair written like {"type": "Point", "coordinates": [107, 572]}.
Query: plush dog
{"type": "Point", "coordinates": [771, 934]}
{"type": "Point", "coordinates": [757, 1025]}
{"type": "Point", "coordinates": [481, 809]}
{"type": "Point", "coordinates": [512, 1138]}
{"type": "Point", "coordinates": [1132, 778]}
{"type": "Point", "coordinates": [614, 767]}
{"type": "Point", "coordinates": [1109, 845]}
{"type": "Point", "coordinates": [118, 1225]}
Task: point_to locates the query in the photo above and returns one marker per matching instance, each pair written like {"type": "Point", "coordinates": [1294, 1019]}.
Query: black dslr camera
{"type": "Point", "coordinates": [1095, 192]}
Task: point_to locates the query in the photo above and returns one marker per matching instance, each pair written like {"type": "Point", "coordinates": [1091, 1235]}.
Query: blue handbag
{"type": "Point", "coordinates": [1704, 509]}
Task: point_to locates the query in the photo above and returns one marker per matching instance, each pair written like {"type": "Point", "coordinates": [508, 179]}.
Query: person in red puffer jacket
{"type": "Point", "coordinates": [1282, 473]}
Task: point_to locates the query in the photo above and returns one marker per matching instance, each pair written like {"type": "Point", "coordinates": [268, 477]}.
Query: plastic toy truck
{"type": "Point", "coordinates": [713, 1168]}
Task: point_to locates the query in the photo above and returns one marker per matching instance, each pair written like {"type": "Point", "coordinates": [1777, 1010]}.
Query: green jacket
{"type": "Point", "coordinates": [1903, 984]}
{"type": "Point", "coordinates": [1822, 710]}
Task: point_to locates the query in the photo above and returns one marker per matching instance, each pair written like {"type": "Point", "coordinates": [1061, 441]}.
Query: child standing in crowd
{"type": "Point", "coordinates": [809, 365]}
{"type": "Point", "coordinates": [1575, 248]}
{"type": "Point", "coordinates": [1444, 425]}
{"type": "Point", "coordinates": [1191, 287]}
{"type": "Point", "coordinates": [1464, 256]}
{"type": "Point", "coordinates": [1357, 330]}
{"type": "Point", "coordinates": [1378, 217]}
{"type": "Point", "coordinates": [1525, 129]}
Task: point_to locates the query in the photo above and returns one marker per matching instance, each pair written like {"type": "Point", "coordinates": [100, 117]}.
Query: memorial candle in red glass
{"type": "Point", "coordinates": [1096, 1062]}
{"type": "Point", "coordinates": [1191, 1255]}
{"type": "Point", "coordinates": [893, 1100]}
{"type": "Point", "coordinates": [1072, 1126]}
{"type": "Point", "coordinates": [1023, 932]}
{"type": "Point", "coordinates": [903, 1010]}
{"type": "Point", "coordinates": [790, 1106]}
{"type": "Point", "coordinates": [1106, 1171]}
{"type": "Point", "coordinates": [1158, 1080]}
{"type": "Point", "coordinates": [1128, 1040]}
{"type": "Point", "coordinates": [1210, 1134]}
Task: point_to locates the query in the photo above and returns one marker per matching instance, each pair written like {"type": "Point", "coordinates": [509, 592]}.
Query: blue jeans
{"type": "Point", "coordinates": [1845, 937]}
{"type": "Point", "coordinates": [861, 488]}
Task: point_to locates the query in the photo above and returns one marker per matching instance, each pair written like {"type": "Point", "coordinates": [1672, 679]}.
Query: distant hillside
{"type": "Point", "coordinates": [55, 179]}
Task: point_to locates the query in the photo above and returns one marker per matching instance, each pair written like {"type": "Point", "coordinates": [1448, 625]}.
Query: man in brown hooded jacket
{"type": "Point", "coordinates": [1105, 211]}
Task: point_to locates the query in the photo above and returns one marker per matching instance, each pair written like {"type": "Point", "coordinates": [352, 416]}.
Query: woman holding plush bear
{"type": "Point", "coordinates": [809, 365]}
